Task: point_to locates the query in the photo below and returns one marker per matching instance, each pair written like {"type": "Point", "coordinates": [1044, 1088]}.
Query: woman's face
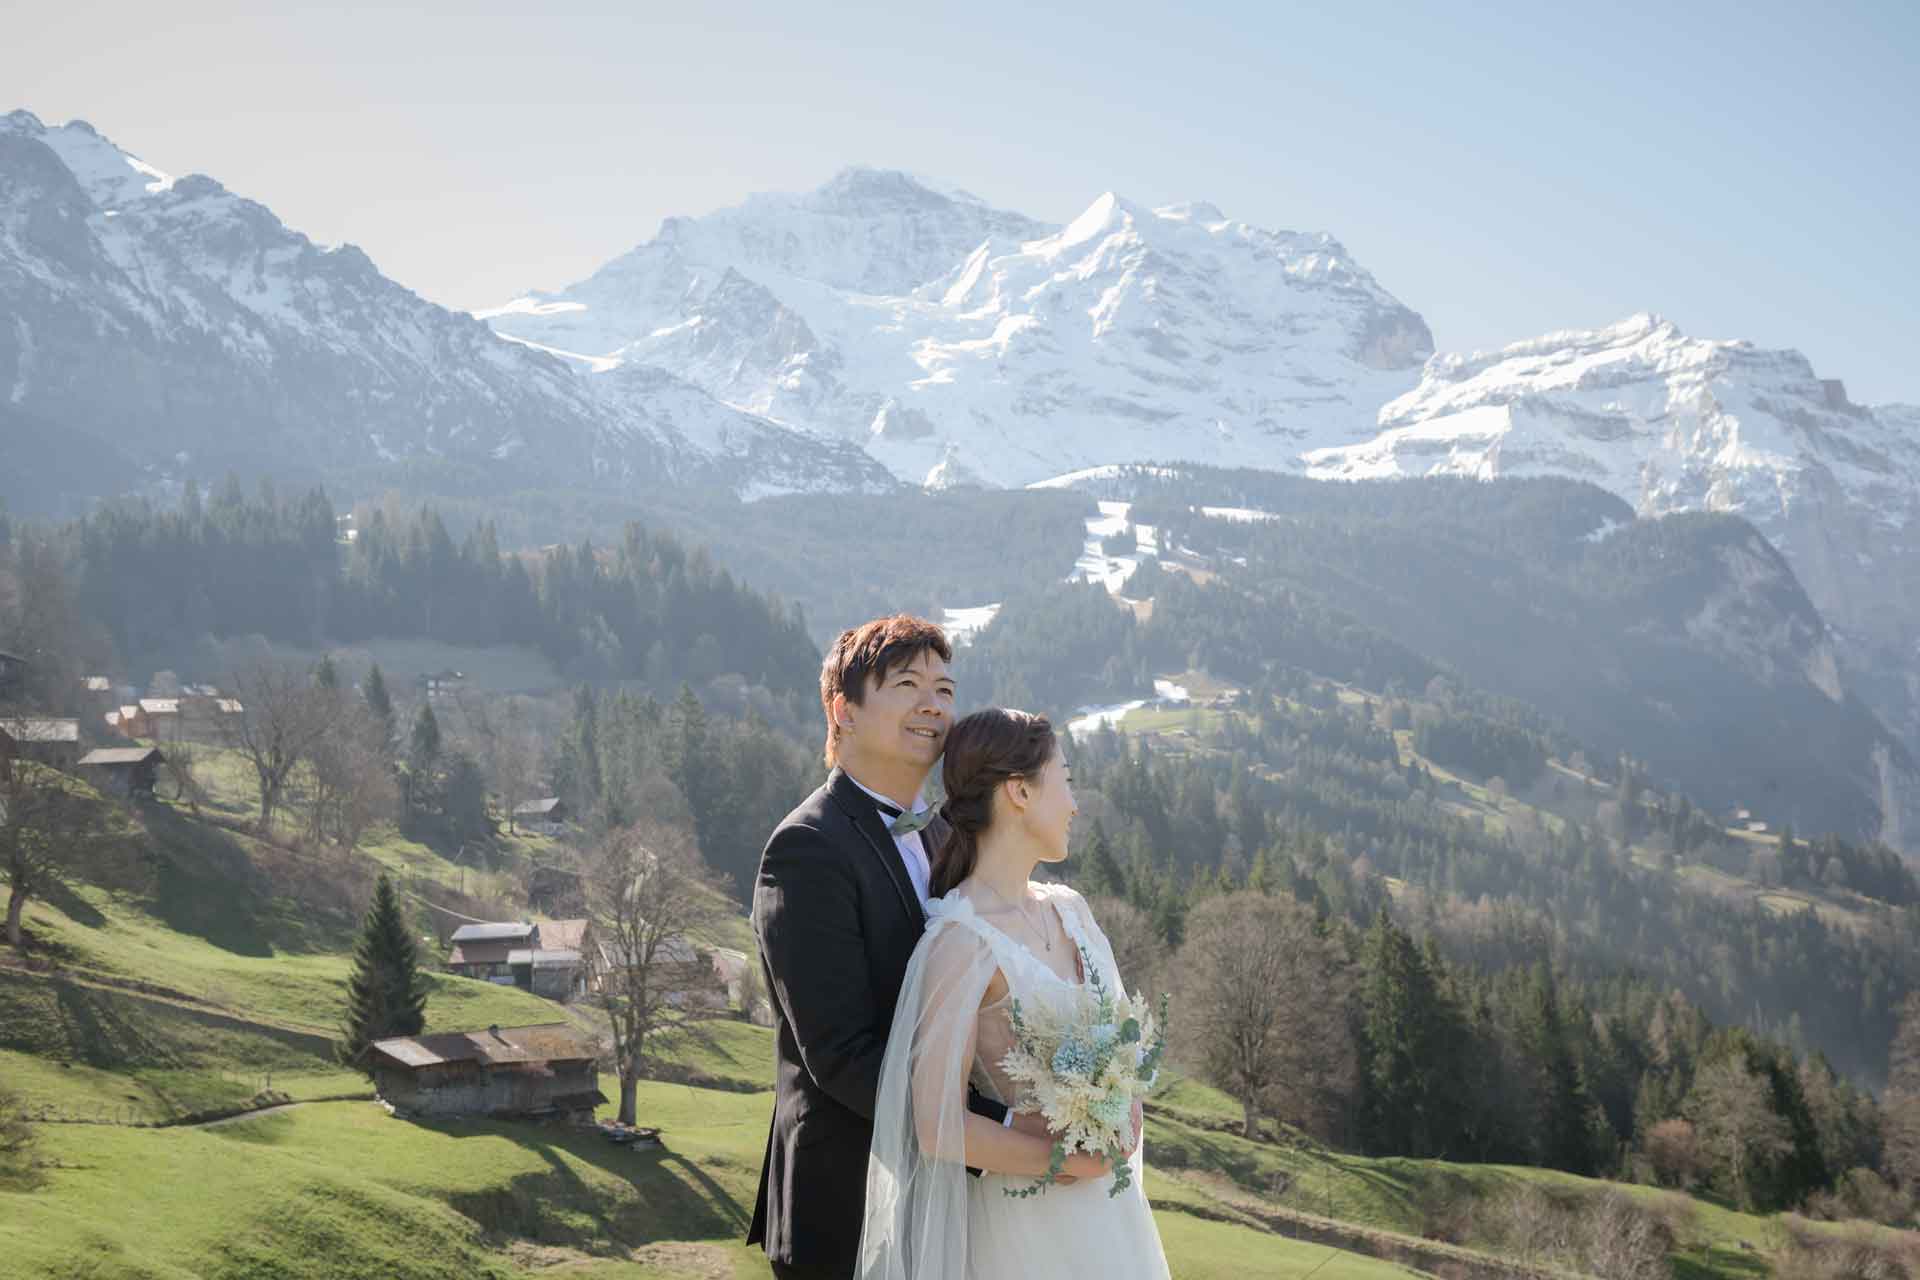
{"type": "Point", "coordinates": [1048, 816]}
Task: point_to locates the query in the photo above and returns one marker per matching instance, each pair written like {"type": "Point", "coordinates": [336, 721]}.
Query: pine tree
{"type": "Point", "coordinates": [1564, 1133]}
{"type": "Point", "coordinates": [379, 701]}
{"type": "Point", "coordinates": [425, 745]}
{"type": "Point", "coordinates": [1102, 874]}
{"type": "Point", "coordinates": [386, 993]}
{"type": "Point", "coordinates": [1405, 1046]}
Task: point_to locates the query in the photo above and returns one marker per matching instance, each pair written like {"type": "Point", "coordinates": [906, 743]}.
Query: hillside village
{"type": "Point", "coordinates": [204, 1002]}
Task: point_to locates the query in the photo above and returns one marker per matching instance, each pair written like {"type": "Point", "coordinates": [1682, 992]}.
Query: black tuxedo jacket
{"type": "Point", "coordinates": [837, 921]}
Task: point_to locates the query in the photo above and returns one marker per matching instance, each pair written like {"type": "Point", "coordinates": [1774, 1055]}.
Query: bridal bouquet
{"type": "Point", "coordinates": [1083, 1065]}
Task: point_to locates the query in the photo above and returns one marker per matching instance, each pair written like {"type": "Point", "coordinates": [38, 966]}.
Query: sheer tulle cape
{"type": "Point", "coordinates": [916, 1223]}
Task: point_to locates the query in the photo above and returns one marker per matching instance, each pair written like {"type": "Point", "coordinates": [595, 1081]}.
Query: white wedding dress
{"type": "Point", "coordinates": [926, 1218]}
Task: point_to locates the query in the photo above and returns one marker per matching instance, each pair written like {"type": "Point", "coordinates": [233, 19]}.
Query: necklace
{"type": "Point", "coordinates": [1045, 935]}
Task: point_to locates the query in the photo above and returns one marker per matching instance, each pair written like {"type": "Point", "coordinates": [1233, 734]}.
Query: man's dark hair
{"type": "Point", "coordinates": [866, 653]}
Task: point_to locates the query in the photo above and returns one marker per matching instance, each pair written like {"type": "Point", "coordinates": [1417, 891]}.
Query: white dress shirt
{"type": "Point", "coordinates": [912, 851]}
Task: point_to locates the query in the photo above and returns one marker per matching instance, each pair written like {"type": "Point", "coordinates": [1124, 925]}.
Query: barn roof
{"type": "Point", "coordinates": [492, 932]}
{"type": "Point", "coordinates": [544, 958]}
{"type": "Point", "coordinates": [564, 935]}
{"type": "Point", "coordinates": [543, 1042]}
{"type": "Point", "coordinates": [41, 729]}
{"type": "Point", "coordinates": [122, 755]}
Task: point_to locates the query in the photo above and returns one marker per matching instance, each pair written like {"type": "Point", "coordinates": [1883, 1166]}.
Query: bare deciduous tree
{"type": "Point", "coordinates": [1732, 1108]}
{"type": "Point", "coordinates": [506, 745]}
{"type": "Point", "coordinates": [51, 827]}
{"type": "Point", "coordinates": [1264, 1005]}
{"type": "Point", "coordinates": [286, 717]}
{"type": "Point", "coordinates": [655, 909]}
{"type": "Point", "coordinates": [1901, 1109]}
{"type": "Point", "coordinates": [353, 785]}
{"type": "Point", "coordinates": [182, 760]}
{"type": "Point", "coordinates": [1137, 947]}
{"type": "Point", "coordinates": [1673, 1149]}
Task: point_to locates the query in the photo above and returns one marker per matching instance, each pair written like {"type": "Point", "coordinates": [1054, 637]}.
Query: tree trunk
{"type": "Point", "coordinates": [266, 804]}
{"type": "Point", "coordinates": [1252, 1130]}
{"type": "Point", "coordinates": [629, 1086]}
{"type": "Point", "coordinates": [16, 904]}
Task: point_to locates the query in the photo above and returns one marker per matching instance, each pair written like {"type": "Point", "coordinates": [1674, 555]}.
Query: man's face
{"type": "Point", "coordinates": [905, 716]}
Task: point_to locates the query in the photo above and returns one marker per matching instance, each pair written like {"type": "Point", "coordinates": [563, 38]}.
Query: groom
{"type": "Point", "coordinates": [838, 907]}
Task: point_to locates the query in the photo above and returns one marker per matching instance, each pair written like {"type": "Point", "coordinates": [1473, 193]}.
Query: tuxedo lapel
{"type": "Point", "coordinates": [865, 816]}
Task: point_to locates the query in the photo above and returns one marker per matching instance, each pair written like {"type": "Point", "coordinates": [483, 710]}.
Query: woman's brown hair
{"type": "Point", "coordinates": [983, 751]}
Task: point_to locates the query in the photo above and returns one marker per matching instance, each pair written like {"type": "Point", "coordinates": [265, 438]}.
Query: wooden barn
{"type": "Point", "coordinates": [547, 1070]}
{"type": "Point", "coordinates": [122, 771]}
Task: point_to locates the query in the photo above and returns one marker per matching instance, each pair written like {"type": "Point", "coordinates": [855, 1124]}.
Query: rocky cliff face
{"type": "Point", "coordinates": [1672, 423]}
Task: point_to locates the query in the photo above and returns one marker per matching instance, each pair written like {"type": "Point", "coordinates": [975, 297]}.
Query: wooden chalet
{"type": "Point", "coordinates": [122, 771]}
{"type": "Point", "coordinates": [549, 959]}
{"type": "Point", "coordinates": [547, 1070]}
{"type": "Point", "coordinates": [548, 815]}
{"type": "Point", "coordinates": [482, 950]}
{"type": "Point", "coordinates": [51, 740]}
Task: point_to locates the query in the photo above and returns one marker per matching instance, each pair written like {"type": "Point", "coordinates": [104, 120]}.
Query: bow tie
{"type": "Point", "coordinates": [901, 823]}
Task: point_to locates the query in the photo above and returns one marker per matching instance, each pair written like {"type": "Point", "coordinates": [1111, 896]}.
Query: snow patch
{"type": "Point", "coordinates": [528, 307]}
{"type": "Point", "coordinates": [1088, 720]}
{"type": "Point", "coordinates": [963, 626]}
{"type": "Point", "coordinates": [594, 364]}
{"type": "Point", "coordinates": [1238, 515]}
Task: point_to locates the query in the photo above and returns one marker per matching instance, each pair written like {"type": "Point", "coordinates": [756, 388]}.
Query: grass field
{"type": "Point", "coordinates": [219, 970]}
{"type": "Point", "coordinates": [340, 1190]}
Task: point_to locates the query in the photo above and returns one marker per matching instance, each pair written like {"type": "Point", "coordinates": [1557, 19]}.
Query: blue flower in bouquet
{"type": "Point", "coordinates": [1114, 1111]}
{"type": "Point", "coordinates": [1074, 1057]}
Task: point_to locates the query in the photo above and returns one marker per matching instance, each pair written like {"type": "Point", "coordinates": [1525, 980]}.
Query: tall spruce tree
{"type": "Point", "coordinates": [1564, 1134]}
{"type": "Point", "coordinates": [425, 745]}
{"type": "Point", "coordinates": [386, 993]}
{"type": "Point", "coordinates": [1099, 871]}
{"type": "Point", "coordinates": [379, 701]}
{"type": "Point", "coordinates": [1406, 1018]}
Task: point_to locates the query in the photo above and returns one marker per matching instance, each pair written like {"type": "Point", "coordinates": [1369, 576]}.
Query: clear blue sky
{"type": "Point", "coordinates": [1746, 170]}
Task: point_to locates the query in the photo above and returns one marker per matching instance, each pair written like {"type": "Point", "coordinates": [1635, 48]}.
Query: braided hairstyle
{"type": "Point", "coordinates": [983, 750]}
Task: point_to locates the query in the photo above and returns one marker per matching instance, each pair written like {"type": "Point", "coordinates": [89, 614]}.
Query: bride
{"type": "Point", "coordinates": [993, 936]}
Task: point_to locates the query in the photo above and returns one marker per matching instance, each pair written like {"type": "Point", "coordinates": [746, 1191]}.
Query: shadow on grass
{"type": "Point", "coordinates": [98, 1033]}
{"type": "Point", "coordinates": [203, 884]}
{"type": "Point", "coordinates": [74, 907]}
{"type": "Point", "coordinates": [647, 1196]}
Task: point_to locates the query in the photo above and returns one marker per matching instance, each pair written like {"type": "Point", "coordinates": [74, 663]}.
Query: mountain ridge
{"type": "Point", "coordinates": [225, 339]}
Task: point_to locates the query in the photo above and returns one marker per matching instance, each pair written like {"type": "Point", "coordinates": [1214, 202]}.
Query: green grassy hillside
{"type": "Point", "coordinates": [214, 971]}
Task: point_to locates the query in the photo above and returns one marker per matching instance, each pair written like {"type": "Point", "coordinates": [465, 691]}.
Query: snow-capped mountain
{"type": "Point", "coordinates": [195, 331]}
{"type": "Point", "coordinates": [1672, 423]}
{"type": "Point", "coordinates": [962, 343]}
